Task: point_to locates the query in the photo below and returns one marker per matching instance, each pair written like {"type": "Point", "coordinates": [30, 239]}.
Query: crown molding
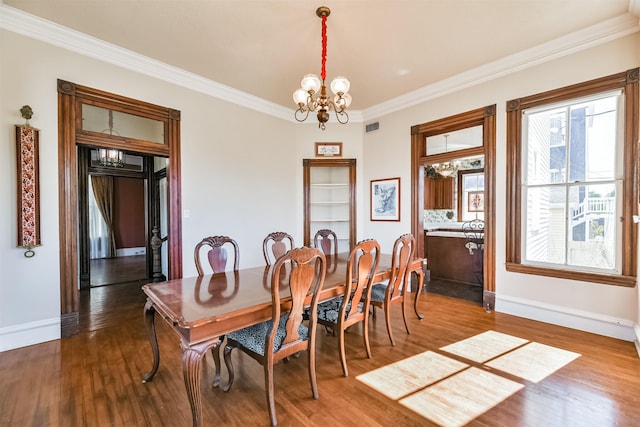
{"type": "Point", "coordinates": [634, 8]}
{"type": "Point", "coordinates": [603, 32]}
{"type": "Point", "coordinates": [16, 21]}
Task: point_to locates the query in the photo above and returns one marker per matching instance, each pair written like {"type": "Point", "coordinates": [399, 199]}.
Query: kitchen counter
{"type": "Point", "coordinates": [442, 226]}
{"type": "Point", "coordinates": [449, 256]}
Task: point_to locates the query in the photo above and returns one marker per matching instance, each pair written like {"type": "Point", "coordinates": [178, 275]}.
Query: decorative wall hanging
{"type": "Point", "coordinates": [385, 199]}
{"type": "Point", "coordinates": [28, 184]}
{"type": "Point", "coordinates": [476, 201]}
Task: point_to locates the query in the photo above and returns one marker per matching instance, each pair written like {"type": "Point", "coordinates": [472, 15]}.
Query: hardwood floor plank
{"type": "Point", "coordinates": [95, 378]}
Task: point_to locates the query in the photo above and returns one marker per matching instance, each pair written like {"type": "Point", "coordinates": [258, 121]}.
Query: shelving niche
{"type": "Point", "coordinates": [329, 199]}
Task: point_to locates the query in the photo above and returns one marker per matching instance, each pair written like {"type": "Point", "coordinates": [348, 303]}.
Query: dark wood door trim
{"type": "Point", "coordinates": [70, 99]}
{"type": "Point", "coordinates": [486, 117]}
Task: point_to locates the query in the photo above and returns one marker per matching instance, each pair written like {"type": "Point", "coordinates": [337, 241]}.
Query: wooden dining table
{"type": "Point", "coordinates": [203, 309]}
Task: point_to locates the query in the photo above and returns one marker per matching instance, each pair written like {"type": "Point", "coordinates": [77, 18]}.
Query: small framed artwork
{"type": "Point", "coordinates": [385, 199]}
{"type": "Point", "coordinates": [476, 201]}
{"type": "Point", "coordinates": [328, 149]}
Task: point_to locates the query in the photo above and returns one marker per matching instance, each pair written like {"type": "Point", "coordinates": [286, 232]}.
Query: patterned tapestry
{"type": "Point", "coordinates": [28, 186]}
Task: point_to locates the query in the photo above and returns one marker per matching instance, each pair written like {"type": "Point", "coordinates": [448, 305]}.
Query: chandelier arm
{"type": "Point", "coordinates": [300, 111]}
{"type": "Point", "coordinates": [343, 114]}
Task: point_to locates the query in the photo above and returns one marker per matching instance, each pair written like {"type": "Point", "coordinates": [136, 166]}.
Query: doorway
{"type": "Point", "coordinates": [422, 155]}
{"type": "Point", "coordinates": [120, 206]}
{"type": "Point", "coordinates": [75, 104]}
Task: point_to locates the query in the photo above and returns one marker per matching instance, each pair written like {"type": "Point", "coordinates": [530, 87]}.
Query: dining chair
{"type": "Point", "coordinates": [384, 295]}
{"type": "Point", "coordinates": [353, 306]}
{"type": "Point", "coordinates": [326, 239]}
{"type": "Point", "coordinates": [217, 256]}
{"type": "Point", "coordinates": [284, 334]}
{"type": "Point", "coordinates": [275, 245]}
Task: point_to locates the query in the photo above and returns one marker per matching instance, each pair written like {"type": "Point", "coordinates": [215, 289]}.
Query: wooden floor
{"type": "Point", "coordinates": [109, 271]}
{"type": "Point", "coordinates": [94, 378]}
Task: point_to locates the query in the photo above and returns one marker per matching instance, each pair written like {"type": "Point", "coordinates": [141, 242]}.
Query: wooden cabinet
{"type": "Point", "coordinates": [449, 258]}
{"type": "Point", "coordinates": [438, 193]}
{"type": "Point", "coordinates": [330, 199]}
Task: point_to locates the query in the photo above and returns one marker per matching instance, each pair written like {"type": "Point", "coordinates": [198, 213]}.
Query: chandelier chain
{"type": "Point", "coordinates": [323, 72]}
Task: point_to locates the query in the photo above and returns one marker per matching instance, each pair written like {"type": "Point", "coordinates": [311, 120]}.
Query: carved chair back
{"type": "Point", "coordinates": [275, 245]}
{"type": "Point", "coordinates": [326, 240]}
{"type": "Point", "coordinates": [218, 255]}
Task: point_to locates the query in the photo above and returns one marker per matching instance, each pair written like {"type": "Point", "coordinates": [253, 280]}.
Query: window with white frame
{"type": "Point", "coordinates": [571, 192]}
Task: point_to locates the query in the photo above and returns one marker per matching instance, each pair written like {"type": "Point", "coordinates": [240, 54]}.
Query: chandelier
{"type": "Point", "coordinates": [307, 97]}
{"type": "Point", "coordinates": [109, 156]}
{"type": "Point", "coordinates": [448, 168]}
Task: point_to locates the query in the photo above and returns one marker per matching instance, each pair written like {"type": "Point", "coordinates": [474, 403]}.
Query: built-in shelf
{"type": "Point", "coordinates": [329, 199]}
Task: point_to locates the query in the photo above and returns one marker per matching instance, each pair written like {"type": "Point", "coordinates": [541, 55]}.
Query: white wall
{"type": "Point", "coordinates": [242, 176]}
{"type": "Point", "coordinates": [605, 309]}
{"type": "Point", "coordinates": [241, 173]}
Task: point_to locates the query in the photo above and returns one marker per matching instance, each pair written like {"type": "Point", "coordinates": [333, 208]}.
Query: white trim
{"type": "Point", "coordinates": [131, 251]}
{"type": "Point", "coordinates": [14, 20]}
{"type": "Point", "coordinates": [29, 333]}
{"type": "Point", "coordinates": [634, 8]}
{"type": "Point", "coordinates": [580, 40]}
{"type": "Point", "coordinates": [566, 317]}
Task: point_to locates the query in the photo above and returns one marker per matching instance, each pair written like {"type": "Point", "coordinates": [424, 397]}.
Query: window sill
{"type": "Point", "coordinates": [605, 279]}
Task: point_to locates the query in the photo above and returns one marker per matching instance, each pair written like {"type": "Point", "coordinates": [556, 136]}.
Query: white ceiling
{"type": "Point", "coordinates": [387, 48]}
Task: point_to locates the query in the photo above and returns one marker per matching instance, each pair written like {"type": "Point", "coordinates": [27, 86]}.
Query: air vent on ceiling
{"type": "Point", "coordinates": [372, 126]}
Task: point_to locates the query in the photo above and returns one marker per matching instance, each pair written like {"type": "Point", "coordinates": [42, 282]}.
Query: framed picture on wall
{"type": "Point", "coordinates": [385, 199]}
{"type": "Point", "coordinates": [328, 149]}
{"type": "Point", "coordinates": [476, 201]}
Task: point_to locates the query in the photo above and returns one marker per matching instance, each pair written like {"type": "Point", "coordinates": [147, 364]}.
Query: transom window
{"type": "Point", "coordinates": [571, 190]}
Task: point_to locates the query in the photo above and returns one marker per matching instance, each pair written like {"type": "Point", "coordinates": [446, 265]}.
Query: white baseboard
{"type": "Point", "coordinates": [131, 251]}
{"type": "Point", "coordinates": [575, 319]}
{"type": "Point", "coordinates": [636, 329]}
{"type": "Point", "coordinates": [29, 334]}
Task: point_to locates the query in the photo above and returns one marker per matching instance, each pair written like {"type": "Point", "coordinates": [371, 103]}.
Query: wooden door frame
{"type": "Point", "coordinates": [307, 164]}
{"type": "Point", "coordinates": [70, 134]}
{"type": "Point", "coordinates": [486, 117]}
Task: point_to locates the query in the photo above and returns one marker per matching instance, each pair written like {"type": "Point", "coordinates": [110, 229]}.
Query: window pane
{"type": "Point", "coordinates": [593, 140]}
{"type": "Point", "coordinates": [546, 154]}
{"type": "Point", "coordinates": [545, 224]}
{"type": "Point", "coordinates": [591, 239]}
{"type": "Point", "coordinates": [110, 122]}
{"type": "Point", "coordinates": [454, 141]}
{"type": "Point", "coordinates": [591, 148]}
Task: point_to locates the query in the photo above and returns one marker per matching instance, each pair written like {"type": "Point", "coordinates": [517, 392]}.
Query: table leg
{"type": "Point", "coordinates": [420, 273]}
{"type": "Point", "coordinates": [191, 362]}
{"type": "Point", "coordinates": [149, 321]}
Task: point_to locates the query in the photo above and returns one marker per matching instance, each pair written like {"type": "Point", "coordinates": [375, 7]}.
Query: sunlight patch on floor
{"type": "Point", "coordinates": [459, 399]}
{"type": "Point", "coordinates": [450, 392]}
{"type": "Point", "coordinates": [534, 361]}
{"type": "Point", "coordinates": [409, 375]}
{"type": "Point", "coordinates": [484, 346]}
